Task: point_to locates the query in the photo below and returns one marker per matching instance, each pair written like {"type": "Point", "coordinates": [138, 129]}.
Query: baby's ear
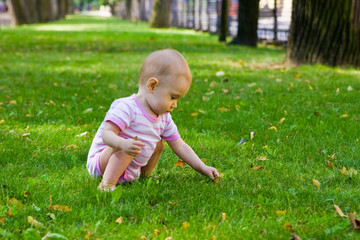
{"type": "Point", "coordinates": [151, 84]}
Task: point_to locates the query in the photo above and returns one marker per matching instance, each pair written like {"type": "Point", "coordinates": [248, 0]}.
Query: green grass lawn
{"type": "Point", "coordinates": [57, 81]}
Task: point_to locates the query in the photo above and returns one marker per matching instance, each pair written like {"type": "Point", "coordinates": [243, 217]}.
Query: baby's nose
{"type": "Point", "coordinates": [175, 104]}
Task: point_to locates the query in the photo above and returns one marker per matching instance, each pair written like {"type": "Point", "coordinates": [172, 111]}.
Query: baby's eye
{"type": "Point", "coordinates": [172, 97]}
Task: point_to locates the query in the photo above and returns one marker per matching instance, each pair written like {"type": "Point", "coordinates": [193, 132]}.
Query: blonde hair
{"type": "Point", "coordinates": [163, 63]}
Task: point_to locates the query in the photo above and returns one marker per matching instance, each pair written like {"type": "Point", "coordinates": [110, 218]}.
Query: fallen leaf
{"type": "Point", "coordinates": [2, 220]}
{"type": "Point", "coordinates": [173, 203]}
{"type": "Point", "coordinates": [288, 227]}
{"type": "Point", "coordinates": [310, 87]}
{"type": "Point", "coordinates": [8, 212]}
{"type": "Point", "coordinates": [25, 134]}
{"type": "Point", "coordinates": [220, 73]}
{"type": "Point", "coordinates": [344, 116]}
{"type": "Point", "coordinates": [169, 238]}
{"type": "Point", "coordinates": [278, 80]}
{"type": "Point", "coordinates": [34, 222]}
{"type": "Point", "coordinates": [180, 163]}
{"type": "Point", "coordinates": [317, 114]}
{"type": "Point", "coordinates": [281, 212]}
{"type": "Point", "coordinates": [204, 160]}
{"type": "Point", "coordinates": [338, 210]}
{"type": "Point", "coordinates": [259, 90]}
{"type": "Point", "coordinates": [26, 194]}
{"type": "Point", "coordinates": [217, 179]}
{"type": "Point", "coordinates": [251, 84]}
{"type": "Point", "coordinates": [204, 98]}
{"type": "Point", "coordinates": [223, 109]}
{"type": "Point", "coordinates": [337, 90]}
{"type": "Point", "coordinates": [88, 235]}
{"type": "Point", "coordinates": [355, 222]}
{"type": "Point", "coordinates": [2, 121]}
{"type": "Point", "coordinates": [329, 164]}
{"type": "Point", "coordinates": [297, 75]}
{"type": "Point", "coordinates": [71, 146]}
{"type": "Point", "coordinates": [82, 134]}
{"type": "Point", "coordinates": [15, 201]}
{"type": "Point", "coordinates": [343, 171]}
{"type": "Point", "coordinates": [13, 102]}
{"type": "Point", "coordinates": [194, 114]}
{"type": "Point", "coordinates": [119, 220]}
{"type": "Point", "coordinates": [281, 121]}
{"type": "Point", "coordinates": [256, 168]}
{"type": "Point", "coordinates": [60, 208]}
{"type": "Point", "coordinates": [273, 128]}
{"type": "Point", "coordinates": [349, 88]}
{"type": "Point", "coordinates": [316, 183]}
{"type": "Point", "coordinates": [237, 107]}
{"type": "Point", "coordinates": [223, 215]}
{"type": "Point", "coordinates": [157, 232]}
{"type": "Point", "coordinates": [226, 90]}
{"type": "Point", "coordinates": [213, 84]}
{"type": "Point", "coordinates": [261, 158]}
{"type": "Point", "coordinates": [185, 225]}
{"type": "Point", "coordinates": [251, 135]}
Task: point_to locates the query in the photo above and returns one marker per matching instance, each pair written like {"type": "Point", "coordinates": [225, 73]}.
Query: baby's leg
{"type": "Point", "coordinates": [154, 159]}
{"type": "Point", "coordinates": [113, 163]}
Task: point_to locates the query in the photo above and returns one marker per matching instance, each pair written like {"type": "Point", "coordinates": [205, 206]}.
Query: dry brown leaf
{"type": "Point", "coordinates": [338, 210]}
{"type": "Point", "coordinates": [60, 208]}
{"type": "Point", "coordinates": [256, 168]}
{"type": "Point", "coordinates": [34, 222]}
{"type": "Point", "coordinates": [173, 203]}
{"type": "Point", "coordinates": [281, 212]}
{"type": "Point", "coordinates": [15, 201]}
{"type": "Point", "coordinates": [316, 183]}
{"type": "Point", "coordinates": [329, 164]}
{"type": "Point", "coordinates": [8, 212]}
{"type": "Point", "coordinates": [157, 232]}
{"type": "Point", "coordinates": [259, 90]}
{"type": "Point", "coordinates": [288, 227]}
{"type": "Point", "coordinates": [119, 220]}
{"type": "Point", "coordinates": [169, 238]}
{"type": "Point", "coordinates": [26, 194]}
{"type": "Point", "coordinates": [343, 171]}
{"type": "Point", "coordinates": [180, 163]}
{"type": "Point", "coordinates": [2, 220]}
{"type": "Point", "coordinates": [261, 158]}
{"type": "Point", "coordinates": [355, 222]}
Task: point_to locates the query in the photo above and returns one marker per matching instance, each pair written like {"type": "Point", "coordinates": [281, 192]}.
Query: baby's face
{"type": "Point", "coordinates": [165, 97]}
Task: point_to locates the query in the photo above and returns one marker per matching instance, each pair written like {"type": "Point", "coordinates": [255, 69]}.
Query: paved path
{"type": "Point", "coordinates": [5, 19]}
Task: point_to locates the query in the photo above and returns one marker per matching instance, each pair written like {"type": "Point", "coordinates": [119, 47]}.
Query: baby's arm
{"type": "Point", "coordinates": [110, 137]}
{"type": "Point", "coordinates": [186, 153]}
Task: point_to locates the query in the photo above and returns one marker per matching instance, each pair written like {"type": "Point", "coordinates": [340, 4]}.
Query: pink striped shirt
{"type": "Point", "coordinates": [133, 120]}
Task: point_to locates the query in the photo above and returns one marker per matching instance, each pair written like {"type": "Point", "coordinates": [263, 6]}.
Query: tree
{"type": "Point", "coordinates": [224, 25]}
{"type": "Point", "coordinates": [248, 14]}
{"type": "Point", "coordinates": [160, 14]}
{"type": "Point", "coordinates": [326, 32]}
{"type": "Point", "coordinates": [18, 14]}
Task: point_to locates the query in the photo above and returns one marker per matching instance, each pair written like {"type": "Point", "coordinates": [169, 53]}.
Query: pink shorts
{"type": "Point", "coordinates": [93, 166]}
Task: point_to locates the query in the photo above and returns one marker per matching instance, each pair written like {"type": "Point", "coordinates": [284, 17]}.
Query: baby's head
{"type": "Point", "coordinates": [165, 77]}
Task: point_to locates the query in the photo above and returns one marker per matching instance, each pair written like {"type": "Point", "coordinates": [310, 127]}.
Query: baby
{"type": "Point", "coordinates": [129, 140]}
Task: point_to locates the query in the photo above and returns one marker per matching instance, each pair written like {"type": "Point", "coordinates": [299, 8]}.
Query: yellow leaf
{"type": "Point", "coordinates": [344, 115]}
{"type": "Point", "coordinates": [2, 121]}
{"type": "Point", "coordinates": [223, 216]}
{"type": "Point", "coordinates": [119, 220]}
{"type": "Point", "coordinates": [194, 114]}
{"type": "Point", "coordinates": [180, 163]}
{"type": "Point", "coordinates": [273, 128]}
{"type": "Point", "coordinates": [237, 107]}
{"type": "Point", "coordinates": [223, 109]}
{"type": "Point", "coordinates": [261, 158]}
{"type": "Point", "coordinates": [26, 194]}
{"type": "Point", "coordinates": [259, 90]}
{"type": "Point", "coordinates": [316, 183]}
{"type": "Point", "coordinates": [72, 146]}
{"type": "Point", "coordinates": [60, 208]}
{"type": "Point", "coordinates": [213, 84]}
{"type": "Point", "coordinates": [288, 227]}
{"type": "Point", "coordinates": [281, 212]}
{"type": "Point", "coordinates": [338, 210]}
{"type": "Point", "coordinates": [281, 121]}
{"type": "Point", "coordinates": [185, 225]}
{"type": "Point", "coordinates": [213, 237]}
{"type": "Point", "coordinates": [34, 222]}
{"type": "Point", "coordinates": [13, 102]}
{"type": "Point", "coordinates": [297, 75]}
{"type": "Point", "coordinates": [310, 87]}
{"type": "Point", "coordinates": [157, 232]}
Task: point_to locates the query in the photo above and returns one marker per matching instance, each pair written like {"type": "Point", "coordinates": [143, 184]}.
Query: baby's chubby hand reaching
{"type": "Point", "coordinates": [132, 147]}
{"type": "Point", "coordinates": [210, 171]}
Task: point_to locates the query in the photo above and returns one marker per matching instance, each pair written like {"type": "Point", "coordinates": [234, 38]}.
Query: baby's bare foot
{"type": "Point", "coordinates": [106, 187]}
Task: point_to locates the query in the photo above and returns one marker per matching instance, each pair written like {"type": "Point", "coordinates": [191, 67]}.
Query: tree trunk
{"type": "Point", "coordinates": [160, 14]}
{"type": "Point", "coordinates": [62, 8]}
{"type": "Point", "coordinates": [326, 32]}
{"type": "Point", "coordinates": [128, 6]}
{"type": "Point", "coordinates": [248, 14]}
{"type": "Point", "coordinates": [45, 8]}
{"type": "Point", "coordinates": [18, 13]}
{"type": "Point", "coordinates": [224, 25]}
{"type": "Point", "coordinates": [30, 11]}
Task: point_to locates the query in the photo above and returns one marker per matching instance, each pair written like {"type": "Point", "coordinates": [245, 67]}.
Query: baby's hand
{"type": "Point", "coordinates": [132, 147]}
{"type": "Point", "coordinates": [210, 171]}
